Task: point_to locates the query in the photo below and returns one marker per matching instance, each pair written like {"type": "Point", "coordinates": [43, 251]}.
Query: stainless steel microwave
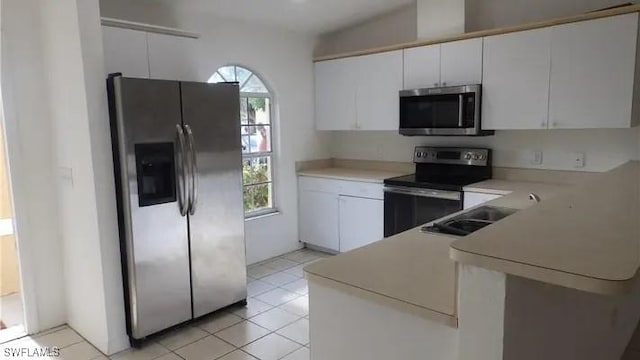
{"type": "Point", "coordinates": [442, 111]}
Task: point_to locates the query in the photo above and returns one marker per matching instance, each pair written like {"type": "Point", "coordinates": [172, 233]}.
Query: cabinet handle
{"type": "Point", "coordinates": [543, 124]}
{"type": "Point", "coordinates": [444, 83]}
{"type": "Point", "coordinates": [554, 124]}
{"type": "Point", "coordinates": [435, 84]}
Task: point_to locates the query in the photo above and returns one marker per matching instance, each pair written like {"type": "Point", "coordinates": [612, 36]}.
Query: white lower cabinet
{"type": "Point", "coordinates": [319, 219]}
{"type": "Point", "coordinates": [340, 215]}
{"type": "Point", "coordinates": [357, 222]}
{"type": "Point", "coordinates": [472, 199]}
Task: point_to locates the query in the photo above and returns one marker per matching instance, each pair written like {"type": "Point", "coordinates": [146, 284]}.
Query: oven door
{"type": "Point", "coordinates": [441, 111]}
{"type": "Point", "coordinates": [406, 208]}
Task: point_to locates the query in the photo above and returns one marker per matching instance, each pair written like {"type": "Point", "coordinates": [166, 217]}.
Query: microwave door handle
{"type": "Point", "coordinates": [460, 110]}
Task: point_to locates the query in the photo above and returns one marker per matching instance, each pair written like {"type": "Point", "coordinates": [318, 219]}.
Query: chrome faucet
{"type": "Point", "coordinates": [534, 197]}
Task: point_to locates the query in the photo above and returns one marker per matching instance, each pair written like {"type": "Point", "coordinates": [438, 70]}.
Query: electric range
{"type": "Point", "coordinates": [435, 190]}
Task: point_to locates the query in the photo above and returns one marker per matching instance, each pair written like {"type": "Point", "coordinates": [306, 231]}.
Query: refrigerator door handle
{"type": "Point", "coordinates": [193, 195]}
{"type": "Point", "coordinates": [182, 172]}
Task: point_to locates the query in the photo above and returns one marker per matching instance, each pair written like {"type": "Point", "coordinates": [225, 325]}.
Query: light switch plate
{"type": "Point", "coordinates": [536, 158]}
{"type": "Point", "coordinates": [578, 160]}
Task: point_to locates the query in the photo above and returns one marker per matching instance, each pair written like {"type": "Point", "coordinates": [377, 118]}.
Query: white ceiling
{"type": "Point", "coordinates": [311, 16]}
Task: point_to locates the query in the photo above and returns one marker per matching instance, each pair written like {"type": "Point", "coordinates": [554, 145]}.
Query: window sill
{"type": "Point", "coordinates": [260, 215]}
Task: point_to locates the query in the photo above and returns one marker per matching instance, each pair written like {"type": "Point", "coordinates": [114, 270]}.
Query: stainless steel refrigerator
{"type": "Point", "coordinates": [178, 168]}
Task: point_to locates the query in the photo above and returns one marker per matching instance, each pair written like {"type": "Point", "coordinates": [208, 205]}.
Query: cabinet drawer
{"type": "Point", "coordinates": [306, 183]}
{"type": "Point", "coordinates": [342, 187]}
{"type": "Point", "coordinates": [362, 189]}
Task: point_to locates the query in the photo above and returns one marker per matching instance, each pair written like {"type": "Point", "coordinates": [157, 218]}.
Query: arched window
{"type": "Point", "coordinates": [257, 136]}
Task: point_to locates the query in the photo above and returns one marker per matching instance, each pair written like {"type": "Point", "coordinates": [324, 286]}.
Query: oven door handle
{"type": "Point", "coordinates": [460, 110]}
{"type": "Point", "coordinates": [427, 193]}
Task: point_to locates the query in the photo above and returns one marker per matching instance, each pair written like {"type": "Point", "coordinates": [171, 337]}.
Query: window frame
{"type": "Point", "coordinates": [272, 209]}
{"type": "Point", "coordinates": [271, 154]}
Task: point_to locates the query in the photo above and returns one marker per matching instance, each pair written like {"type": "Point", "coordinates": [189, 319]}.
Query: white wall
{"type": "Point", "coordinates": [145, 11]}
{"type": "Point", "coordinates": [31, 164]}
{"type": "Point", "coordinates": [604, 149]}
{"type": "Point", "coordinates": [68, 107]}
{"type": "Point", "coordinates": [75, 66]}
{"type": "Point", "coordinates": [487, 14]}
{"type": "Point", "coordinates": [56, 110]}
{"type": "Point", "coordinates": [103, 184]}
{"type": "Point", "coordinates": [435, 18]}
{"type": "Point", "coordinates": [345, 325]}
{"type": "Point", "coordinates": [396, 27]}
{"type": "Point", "coordinates": [284, 60]}
{"type": "Point", "coordinates": [439, 18]}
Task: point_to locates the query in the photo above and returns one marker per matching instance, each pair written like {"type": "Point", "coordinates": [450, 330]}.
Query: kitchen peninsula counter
{"type": "Point", "coordinates": [586, 238]}
{"type": "Point", "coordinates": [412, 270]}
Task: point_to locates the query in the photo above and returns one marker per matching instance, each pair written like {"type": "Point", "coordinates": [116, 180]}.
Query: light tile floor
{"type": "Point", "coordinates": [274, 324]}
{"type": "Point", "coordinates": [11, 315]}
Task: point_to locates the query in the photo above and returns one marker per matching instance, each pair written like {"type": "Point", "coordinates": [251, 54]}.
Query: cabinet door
{"type": "Point", "coordinates": [125, 51]}
{"type": "Point", "coordinates": [378, 92]}
{"type": "Point", "coordinates": [472, 199]}
{"type": "Point", "coordinates": [461, 62]}
{"type": "Point", "coordinates": [173, 58]}
{"type": "Point", "coordinates": [516, 70]}
{"type": "Point", "coordinates": [361, 222]}
{"type": "Point", "coordinates": [422, 67]}
{"type": "Point", "coordinates": [592, 73]}
{"type": "Point", "coordinates": [319, 219]}
{"type": "Point", "coordinates": [336, 94]}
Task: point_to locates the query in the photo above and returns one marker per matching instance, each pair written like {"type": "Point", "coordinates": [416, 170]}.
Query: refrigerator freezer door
{"type": "Point", "coordinates": [155, 234]}
{"type": "Point", "coordinates": [211, 113]}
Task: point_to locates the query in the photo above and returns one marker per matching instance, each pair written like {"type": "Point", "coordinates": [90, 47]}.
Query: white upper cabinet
{"type": "Point", "coordinates": [577, 75]}
{"type": "Point", "coordinates": [336, 94]}
{"type": "Point", "coordinates": [378, 86]}
{"type": "Point", "coordinates": [422, 67]}
{"type": "Point", "coordinates": [448, 64]}
{"type": "Point", "coordinates": [173, 58]}
{"type": "Point", "coordinates": [461, 62]}
{"type": "Point", "coordinates": [592, 73]}
{"type": "Point", "coordinates": [359, 93]}
{"type": "Point", "coordinates": [516, 70]}
{"type": "Point", "coordinates": [125, 51]}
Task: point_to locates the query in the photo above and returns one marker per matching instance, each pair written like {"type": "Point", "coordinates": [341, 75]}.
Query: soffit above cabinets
{"type": "Point", "coordinates": [491, 32]}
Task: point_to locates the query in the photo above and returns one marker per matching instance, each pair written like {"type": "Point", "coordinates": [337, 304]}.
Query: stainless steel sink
{"type": "Point", "coordinates": [488, 213]}
{"type": "Point", "coordinates": [470, 221]}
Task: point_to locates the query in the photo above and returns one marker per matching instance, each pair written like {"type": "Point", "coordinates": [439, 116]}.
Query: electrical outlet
{"type": "Point", "coordinates": [536, 158]}
{"type": "Point", "coordinates": [578, 160]}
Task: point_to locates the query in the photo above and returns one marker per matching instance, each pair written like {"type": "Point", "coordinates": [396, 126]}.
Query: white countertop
{"type": "Point", "coordinates": [587, 237]}
{"type": "Point", "coordinates": [583, 236]}
{"type": "Point", "coordinates": [350, 174]}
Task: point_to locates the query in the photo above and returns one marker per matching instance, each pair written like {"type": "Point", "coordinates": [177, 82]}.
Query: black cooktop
{"type": "Point", "coordinates": [434, 181]}
{"type": "Point", "coordinates": [446, 168]}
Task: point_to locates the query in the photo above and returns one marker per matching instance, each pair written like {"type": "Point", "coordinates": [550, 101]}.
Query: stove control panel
{"type": "Point", "coordinates": [455, 156]}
